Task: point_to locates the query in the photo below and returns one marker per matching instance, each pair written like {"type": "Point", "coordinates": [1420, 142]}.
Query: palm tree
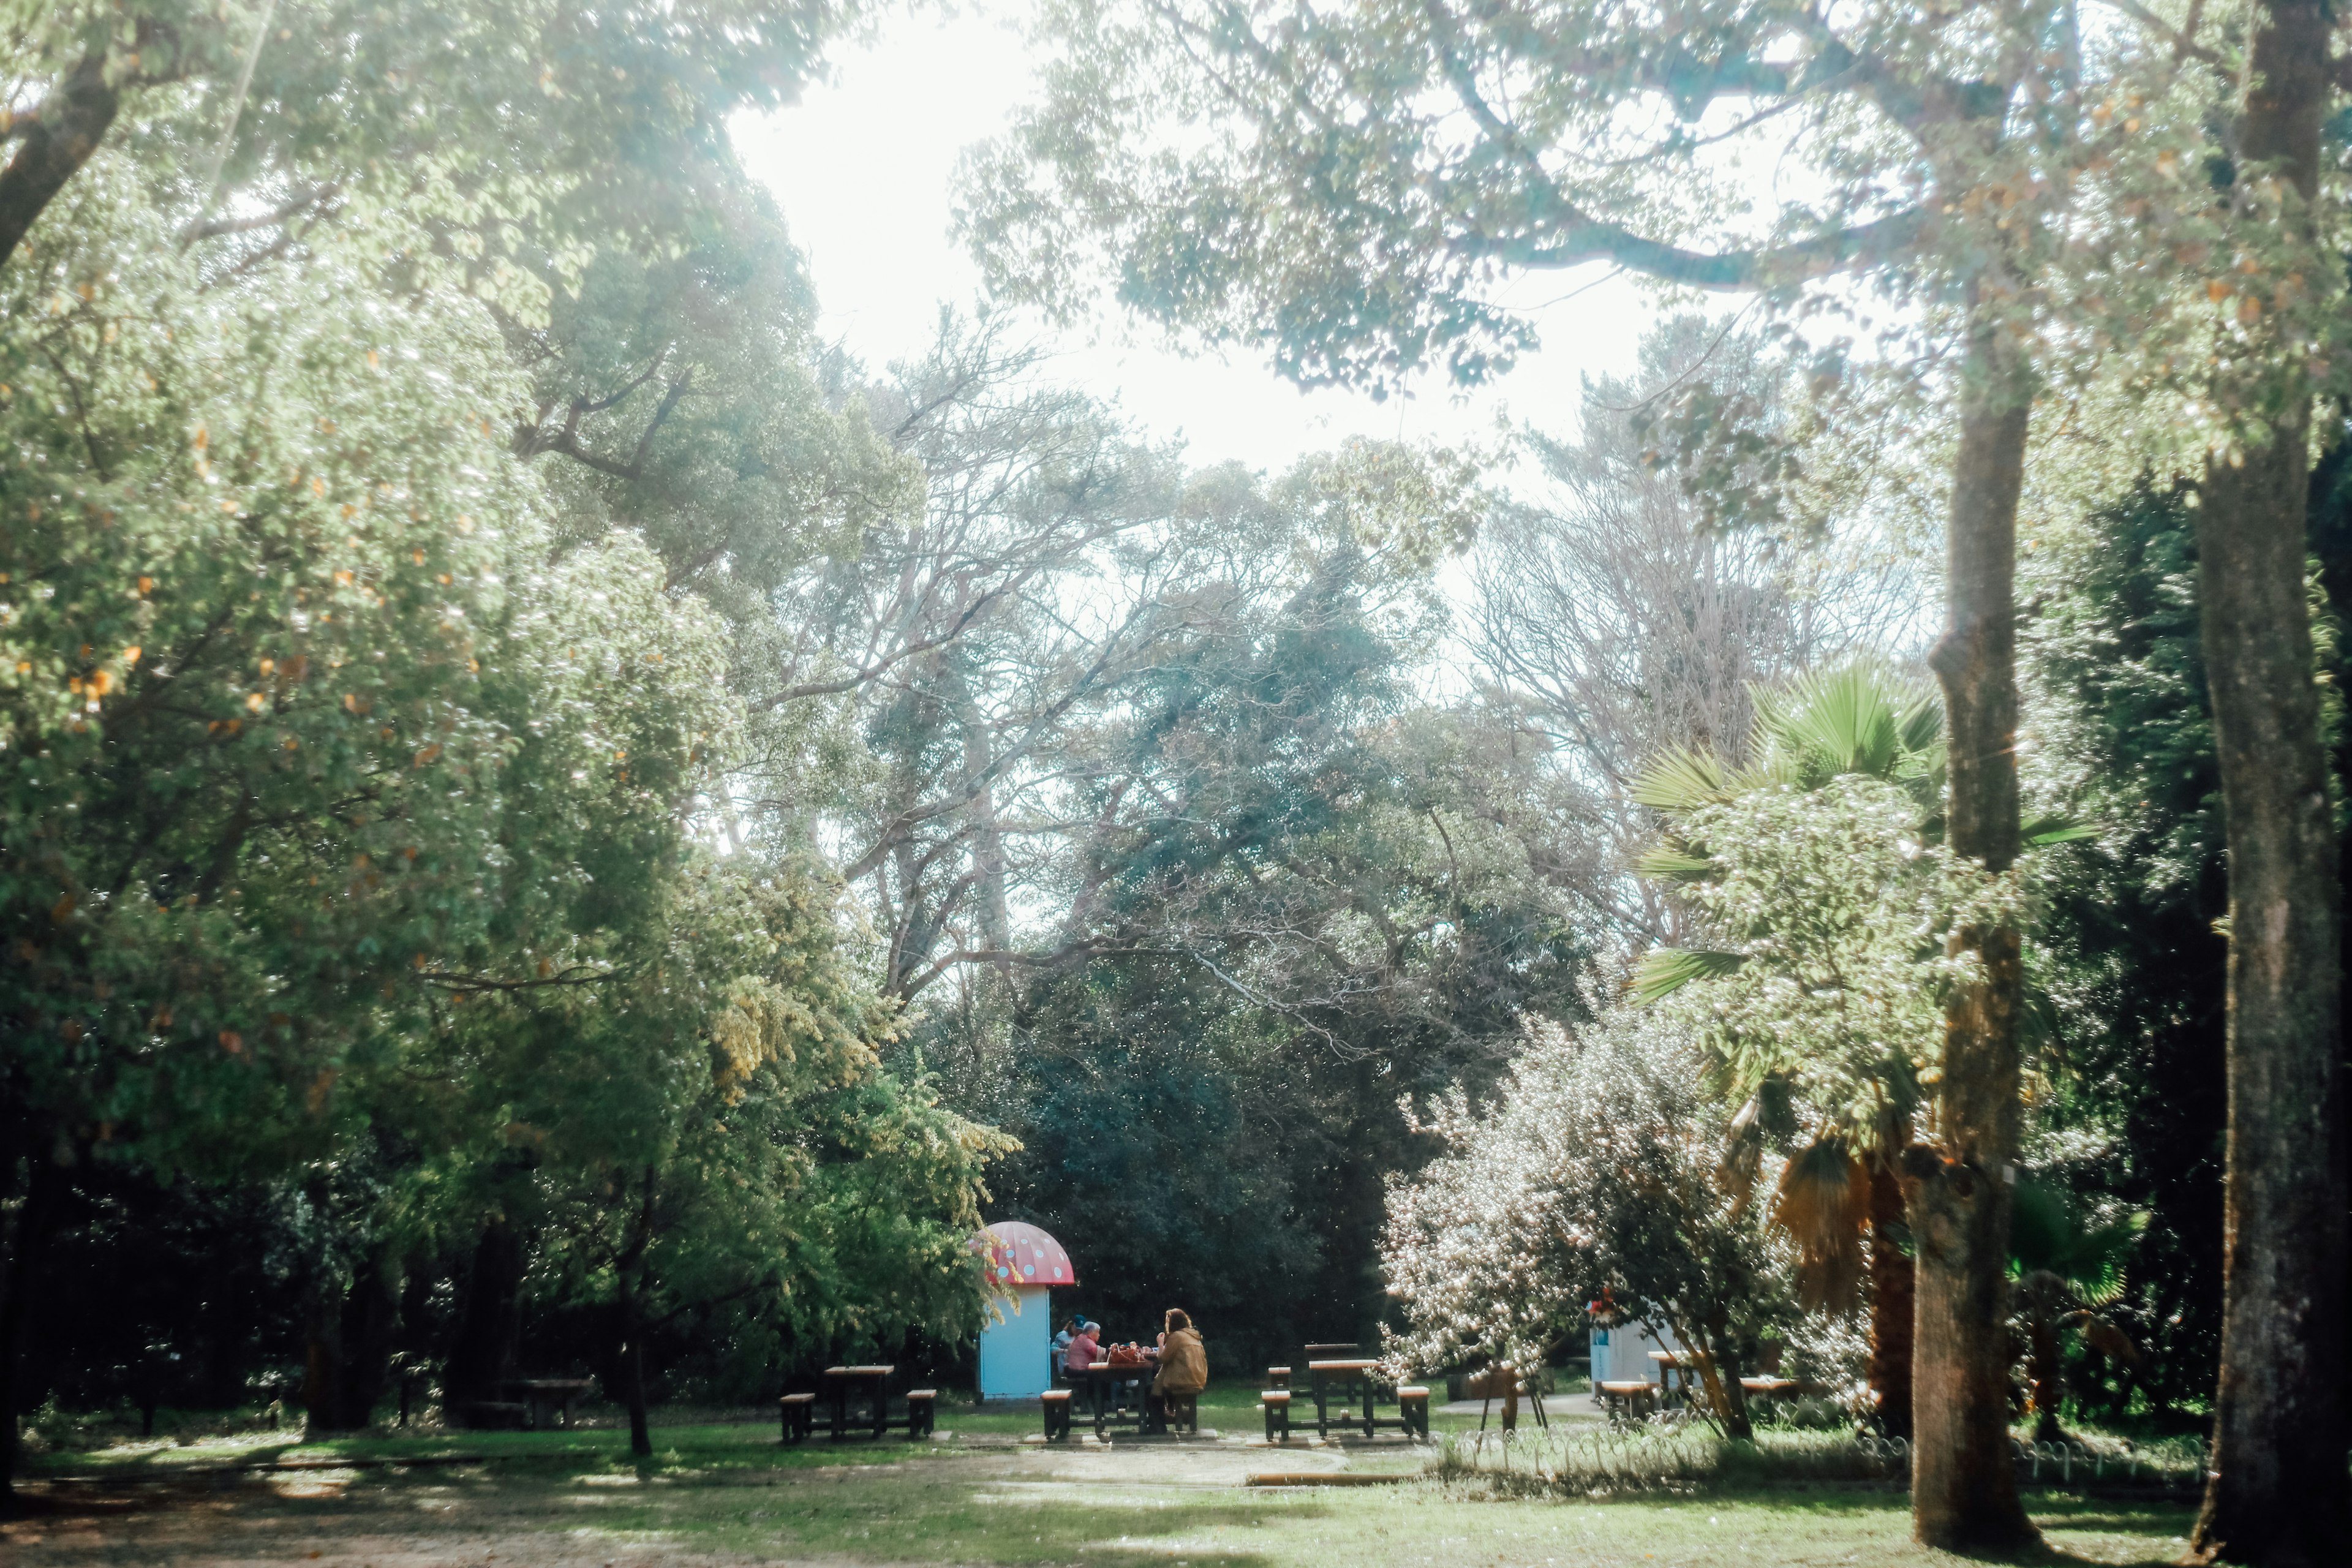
{"type": "Point", "coordinates": [1838, 1198]}
{"type": "Point", "coordinates": [2065, 1269]}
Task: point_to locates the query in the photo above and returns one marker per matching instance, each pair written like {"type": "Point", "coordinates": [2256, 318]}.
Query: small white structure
{"type": "Point", "coordinates": [1024, 1265]}
{"type": "Point", "coordinates": [1622, 1354]}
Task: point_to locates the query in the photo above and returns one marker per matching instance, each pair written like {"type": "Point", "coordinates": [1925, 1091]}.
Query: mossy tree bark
{"type": "Point", "coordinates": [2277, 1491]}
{"type": "Point", "coordinates": [1959, 1187]}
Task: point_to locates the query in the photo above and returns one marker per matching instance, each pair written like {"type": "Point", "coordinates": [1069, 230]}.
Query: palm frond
{"type": "Point", "coordinates": [1682, 782]}
{"type": "Point", "coordinates": [2106, 1338]}
{"type": "Point", "coordinates": [2095, 1262]}
{"type": "Point", "coordinates": [1855, 719]}
{"type": "Point", "coordinates": [1669, 969]}
{"type": "Point", "coordinates": [1673, 863]}
{"type": "Point", "coordinates": [1823, 1204]}
{"type": "Point", "coordinates": [2046, 1233]}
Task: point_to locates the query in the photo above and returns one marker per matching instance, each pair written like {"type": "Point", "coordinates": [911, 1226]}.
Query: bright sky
{"type": "Point", "coordinates": [863, 169]}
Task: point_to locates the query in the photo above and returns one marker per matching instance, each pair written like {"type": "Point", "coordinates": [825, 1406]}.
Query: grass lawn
{"type": "Point", "coordinates": [728, 1494]}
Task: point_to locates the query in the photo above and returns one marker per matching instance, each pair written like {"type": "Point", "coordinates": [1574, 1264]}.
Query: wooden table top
{"type": "Point", "coordinates": [859, 1371]}
{"type": "Point", "coordinates": [1341, 1365]}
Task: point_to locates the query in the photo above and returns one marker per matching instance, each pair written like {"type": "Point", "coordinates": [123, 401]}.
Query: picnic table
{"type": "Point", "coordinates": [1626, 1398]}
{"type": "Point", "coordinates": [1676, 1376]}
{"type": "Point", "coordinates": [1770, 1388]}
{"type": "Point", "coordinates": [1515, 1388]}
{"type": "Point", "coordinates": [867, 1388]}
{"type": "Point", "coordinates": [1107, 1386]}
{"type": "Point", "coordinates": [547, 1400]}
{"type": "Point", "coordinates": [1345, 1383]}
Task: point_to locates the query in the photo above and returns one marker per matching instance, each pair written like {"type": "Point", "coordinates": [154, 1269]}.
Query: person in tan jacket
{"type": "Point", "coordinates": [1183, 1362]}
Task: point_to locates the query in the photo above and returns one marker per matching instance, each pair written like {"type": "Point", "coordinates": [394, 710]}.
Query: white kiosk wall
{"type": "Point", "coordinates": [1016, 1354]}
{"type": "Point", "coordinates": [1622, 1354]}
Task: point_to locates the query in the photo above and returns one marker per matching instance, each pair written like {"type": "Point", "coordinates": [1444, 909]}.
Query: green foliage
{"type": "Point", "coordinates": [1814, 865]}
{"type": "Point", "coordinates": [483, 143]}
{"type": "Point", "coordinates": [357, 774]}
{"type": "Point", "coordinates": [257, 768]}
{"type": "Point", "coordinates": [2048, 1235]}
{"type": "Point", "coordinates": [1591, 1183]}
{"type": "Point", "coordinates": [1303, 894]}
{"type": "Point", "coordinates": [2133, 963]}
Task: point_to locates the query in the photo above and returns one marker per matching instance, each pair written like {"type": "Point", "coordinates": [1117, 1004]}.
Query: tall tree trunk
{"type": "Point", "coordinates": [632, 1368]}
{"type": "Point", "coordinates": [1958, 1189]}
{"type": "Point", "coordinates": [29, 1191]}
{"type": "Point", "coordinates": [627, 1270]}
{"type": "Point", "coordinates": [481, 1358]}
{"type": "Point", "coordinates": [2277, 1491]}
{"type": "Point", "coordinates": [322, 1357]}
{"type": "Point", "coordinates": [987, 836]}
{"type": "Point", "coordinates": [1891, 1301]}
{"type": "Point", "coordinates": [2044, 1373]}
{"type": "Point", "coordinates": [70, 124]}
{"type": "Point", "coordinates": [370, 1314]}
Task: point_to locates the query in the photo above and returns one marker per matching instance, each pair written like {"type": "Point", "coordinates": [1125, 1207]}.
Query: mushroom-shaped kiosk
{"type": "Point", "coordinates": [1024, 1265]}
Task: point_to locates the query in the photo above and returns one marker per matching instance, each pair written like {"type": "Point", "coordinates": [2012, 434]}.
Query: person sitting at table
{"type": "Point", "coordinates": [1184, 1363]}
{"type": "Point", "coordinates": [1085, 1350]}
{"type": "Point", "coordinates": [1062, 1345]}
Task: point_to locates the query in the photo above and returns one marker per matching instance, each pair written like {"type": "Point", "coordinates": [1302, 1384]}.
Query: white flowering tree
{"type": "Point", "coordinates": [1595, 1175]}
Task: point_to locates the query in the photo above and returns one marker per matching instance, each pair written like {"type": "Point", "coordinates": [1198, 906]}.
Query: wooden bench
{"type": "Point", "coordinates": [1412, 1404]}
{"type": "Point", "coordinates": [797, 1413]}
{"type": "Point", "coordinates": [1183, 1412]}
{"type": "Point", "coordinates": [1627, 1399]}
{"type": "Point", "coordinates": [1277, 1402]}
{"type": "Point", "coordinates": [1278, 1377]}
{"type": "Point", "coordinates": [922, 1412]}
{"type": "Point", "coordinates": [1057, 1414]}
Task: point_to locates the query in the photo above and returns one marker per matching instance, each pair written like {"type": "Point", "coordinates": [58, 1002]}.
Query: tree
{"type": "Point", "coordinates": [1278, 889]}
{"type": "Point", "coordinates": [1634, 626]}
{"type": "Point", "coordinates": [1808, 864]}
{"type": "Point", "coordinates": [2067, 1269]}
{"type": "Point", "coordinates": [259, 716]}
{"type": "Point", "coordinates": [966, 641]}
{"type": "Point", "coordinates": [2280, 1427]}
{"type": "Point", "coordinates": [1352, 180]}
{"type": "Point", "coordinates": [328, 734]}
{"type": "Point", "coordinates": [713, 1130]}
{"type": "Point", "coordinates": [1594, 1175]}
{"type": "Point", "coordinates": [2208, 276]}
{"type": "Point", "coordinates": [2134, 967]}
{"type": "Point", "coordinates": [454, 115]}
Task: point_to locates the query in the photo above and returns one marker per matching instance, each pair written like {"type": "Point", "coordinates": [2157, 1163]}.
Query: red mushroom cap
{"type": "Point", "coordinates": [1020, 1253]}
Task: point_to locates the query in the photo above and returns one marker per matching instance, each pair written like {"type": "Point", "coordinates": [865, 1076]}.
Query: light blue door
{"type": "Point", "coordinates": [1016, 1354]}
